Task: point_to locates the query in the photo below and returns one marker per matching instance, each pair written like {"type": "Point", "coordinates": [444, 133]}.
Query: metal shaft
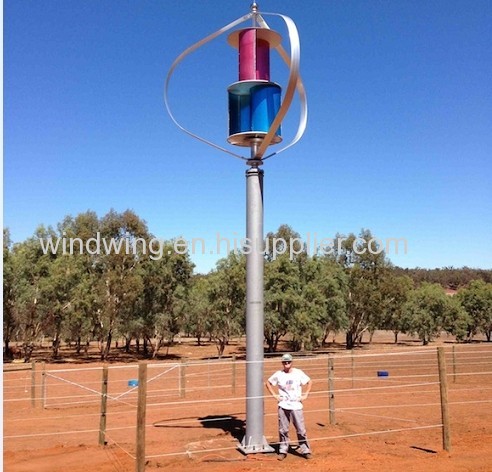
{"type": "Point", "coordinates": [254, 441]}
{"type": "Point", "coordinates": [254, 308]}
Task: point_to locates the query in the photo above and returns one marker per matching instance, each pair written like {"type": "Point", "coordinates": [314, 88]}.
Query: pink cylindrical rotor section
{"type": "Point", "coordinates": [254, 56]}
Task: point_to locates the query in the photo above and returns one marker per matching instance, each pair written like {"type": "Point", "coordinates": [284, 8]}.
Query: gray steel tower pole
{"type": "Point", "coordinates": [254, 440]}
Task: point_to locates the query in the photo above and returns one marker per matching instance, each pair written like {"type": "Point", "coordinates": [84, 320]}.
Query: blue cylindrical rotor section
{"type": "Point", "coordinates": [265, 103]}
{"type": "Point", "coordinates": [253, 106]}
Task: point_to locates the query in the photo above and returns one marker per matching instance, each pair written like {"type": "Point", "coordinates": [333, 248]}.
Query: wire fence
{"type": "Point", "coordinates": [198, 407]}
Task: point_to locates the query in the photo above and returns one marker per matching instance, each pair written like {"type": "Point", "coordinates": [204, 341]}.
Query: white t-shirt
{"type": "Point", "coordinates": [289, 387]}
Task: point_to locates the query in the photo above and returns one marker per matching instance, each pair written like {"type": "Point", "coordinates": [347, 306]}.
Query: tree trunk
{"type": "Point", "coordinates": [106, 350]}
{"type": "Point", "coordinates": [128, 341]}
{"type": "Point", "coordinates": [157, 347]}
{"type": "Point", "coordinates": [350, 340]}
{"type": "Point", "coordinates": [154, 348]}
{"type": "Point", "coordinates": [7, 352]}
{"type": "Point", "coordinates": [56, 346]}
{"type": "Point", "coordinates": [275, 344]}
{"type": "Point", "coordinates": [325, 337]}
{"type": "Point", "coordinates": [221, 344]}
{"type": "Point", "coordinates": [28, 349]}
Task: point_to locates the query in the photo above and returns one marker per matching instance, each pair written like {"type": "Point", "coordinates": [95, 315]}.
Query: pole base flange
{"type": "Point", "coordinates": [264, 447]}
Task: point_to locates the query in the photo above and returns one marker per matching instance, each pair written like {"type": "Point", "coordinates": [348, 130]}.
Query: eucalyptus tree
{"type": "Point", "coordinates": [31, 267]}
{"type": "Point", "coordinates": [306, 325]}
{"type": "Point", "coordinates": [9, 282]}
{"type": "Point", "coordinates": [83, 318]}
{"type": "Point", "coordinates": [284, 242]}
{"type": "Point", "coordinates": [166, 279]}
{"type": "Point", "coordinates": [304, 295]}
{"type": "Point", "coordinates": [365, 264]}
{"type": "Point", "coordinates": [44, 281]}
{"type": "Point", "coordinates": [395, 291]}
{"type": "Point", "coordinates": [57, 292]}
{"type": "Point", "coordinates": [226, 296]}
{"type": "Point", "coordinates": [284, 253]}
{"type": "Point", "coordinates": [429, 311]}
{"type": "Point", "coordinates": [282, 299]}
{"type": "Point", "coordinates": [321, 275]}
{"type": "Point", "coordinates": [476, 299]}
{"type": "Point", "coordinates": [456, 320]}
{"type": "Point", "coordinates": [120, 279]}
{"type": "Point", "coordinates": [82, 236]}
{"type": "Point", "coordinates": [198, 308]}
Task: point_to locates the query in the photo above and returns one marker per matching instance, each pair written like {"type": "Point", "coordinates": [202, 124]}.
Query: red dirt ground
{"type": "Point", "coordinates": [382, 423]}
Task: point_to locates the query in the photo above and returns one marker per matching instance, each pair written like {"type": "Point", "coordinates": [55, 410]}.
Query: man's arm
{"type": "Point", "coordinates": [269, 387]}
{"type": "Point", "coordinates": [308, 389]}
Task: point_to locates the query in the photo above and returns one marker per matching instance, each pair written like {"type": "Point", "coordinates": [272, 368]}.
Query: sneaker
{"type": "Point", "coordinates": [281, 457]}
{"type": "Point", "coordinates": [308, 456]}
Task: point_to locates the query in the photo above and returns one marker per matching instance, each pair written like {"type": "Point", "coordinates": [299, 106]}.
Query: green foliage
{"type": "Point", "coordinates": [323, 295]}
{"type": "Point", "coordinates": [226, 296]}
{"type": "Point", "coordinates": [365, 264]}
{"type": "Point", "coordinates": [476, 299]}
{"type": "Point", "coordinates": [456, 320]}
{"type": "Point", "coordinates": [304, 296]}
{"type": "Point", "coordinates": [93, 295]}
{"type": "Point", "coordinates": [9, 295]}
{"type": "Point", "coordinates": [198, 309]}
{"type": "Point", "coordinates": [282, 299]}
{"type": "Point", "coordinates": [284, 242]}
{"type": "Point", "coordinates": [30, 269]}
{"type": "Point", "coordinates": [429, 310]}
{"type": "Point", "coordinates": [395, 292]}
{"type": "Point", "coordinates": [161, 302]}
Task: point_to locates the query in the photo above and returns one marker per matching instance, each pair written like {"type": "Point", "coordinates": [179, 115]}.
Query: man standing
{"type": "Point", "coordinates": [290, 397]}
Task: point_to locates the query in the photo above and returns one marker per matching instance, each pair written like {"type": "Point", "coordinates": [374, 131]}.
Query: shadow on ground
{"type": "Point", "coordinates": [230, 424]}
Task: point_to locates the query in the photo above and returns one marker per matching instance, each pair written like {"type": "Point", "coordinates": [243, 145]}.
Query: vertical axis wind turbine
{"type": "Point", "coordinates": [256, 111]}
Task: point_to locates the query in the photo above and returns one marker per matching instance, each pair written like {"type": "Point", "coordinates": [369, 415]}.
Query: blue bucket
{"type": "Point", "coordinates": [133, 383]}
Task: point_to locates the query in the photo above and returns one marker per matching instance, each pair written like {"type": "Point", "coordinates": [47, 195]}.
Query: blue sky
{"type": "Point", "coordinates": [398, 141]}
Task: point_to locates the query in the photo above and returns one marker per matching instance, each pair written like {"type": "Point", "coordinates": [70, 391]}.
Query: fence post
{"type": "Point", "coordinates": [331, 393]}
{"type": "Point", "coordinates": [234, 374]}
{"type": "Point", "coordinates": [43, 385]}
{"type": "Point", "coordinates": [454, 364]}
{"type": "Point", "coordinates": [104, 402]}
{"type": "Point", "coordinates": [141, 409]}
{"type": "Point", "coordinates": [182, 378]}
{"type": "Point", "coordinates": [33, 384]}
{"type": "Point", "coordinates": [443, 387]}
